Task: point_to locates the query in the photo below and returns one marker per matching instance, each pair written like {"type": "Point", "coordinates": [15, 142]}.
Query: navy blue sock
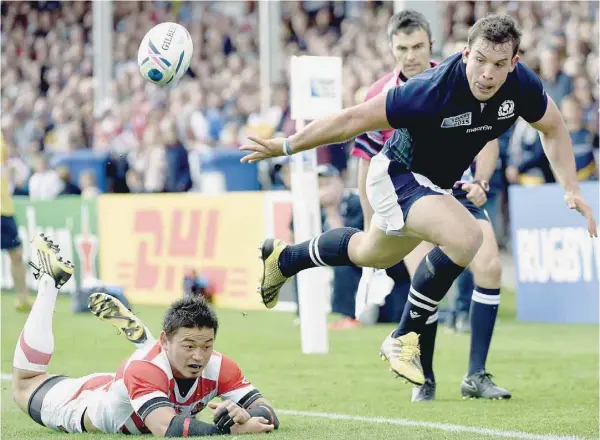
{"type": "Point", "coordinates": [427, 345]}
{"type": "Point", "coordinates": [328, 249]}
{"type": "Point", "coordinates": [431, 281]}
{"type": "Point", "coordinates": [484, 309]}
{"type": "Point", "coordinates": [399, 274]}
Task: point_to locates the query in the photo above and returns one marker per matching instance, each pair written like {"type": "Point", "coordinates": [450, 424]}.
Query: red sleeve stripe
{"type": "Point", "coordinates": [368, 145]}
{"type": "Point", "coordinates": [362, 154]}
{"type": "Point", "coordinates": [186, 427]}
{"type": "Point", "coordinates": [376, 137]}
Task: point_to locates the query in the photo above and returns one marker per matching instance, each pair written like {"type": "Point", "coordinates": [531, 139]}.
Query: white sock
{"type": "Point", "coordinates": [36, 343]}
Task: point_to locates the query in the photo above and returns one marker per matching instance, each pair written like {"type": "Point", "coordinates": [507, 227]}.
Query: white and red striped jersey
{"type": "Point", "coordinates": [369, 144]}
{"type": "Point", "coordinates": [119, 403]}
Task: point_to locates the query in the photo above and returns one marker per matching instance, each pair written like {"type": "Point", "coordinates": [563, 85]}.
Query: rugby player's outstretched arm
{"type": "Point", "coordinates": [559, 150]}
{"type": "Point", "coordinates": [164, 422]}
{"type": "Point", "coordinates": [349, 123]}
{"type": "Point", "coordinates": [340, 127]}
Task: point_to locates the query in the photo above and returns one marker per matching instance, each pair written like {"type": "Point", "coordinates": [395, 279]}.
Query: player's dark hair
{"type": "Point", "coordinates": [497, 29]}
{"type": "Point", "coordinates": [408, 21]}
{"type": "Point", "coordinates": [189, 312]}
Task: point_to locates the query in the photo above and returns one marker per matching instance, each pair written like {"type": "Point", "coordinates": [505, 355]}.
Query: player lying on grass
{"type": "Point", "coordinates": [158, 389]}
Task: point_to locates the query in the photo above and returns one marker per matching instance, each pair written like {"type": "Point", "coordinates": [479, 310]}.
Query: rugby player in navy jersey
{"type": "Point", "coordinates": [443, 118]}
{"type": "Point", "coordinates": [409, 34]}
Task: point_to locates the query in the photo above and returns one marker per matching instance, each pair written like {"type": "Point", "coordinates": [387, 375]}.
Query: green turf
{"type": "Point", "coordinates": [551, 369]}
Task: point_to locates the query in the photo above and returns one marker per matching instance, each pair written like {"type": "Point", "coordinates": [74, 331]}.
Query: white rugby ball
{"type": "Point", "coordinates": [165, 53]}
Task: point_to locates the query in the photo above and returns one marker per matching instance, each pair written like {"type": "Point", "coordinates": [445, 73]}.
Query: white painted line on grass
{"type": "Point", "coordinates": [432, 425]}
{"type": "Point", "coordinates": [405, 422]}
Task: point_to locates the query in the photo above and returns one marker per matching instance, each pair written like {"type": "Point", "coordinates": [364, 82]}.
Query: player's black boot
{"type": "Point", "coordinates": [481, 385]}
{"type": "Point", "coordinates": [425, 392]}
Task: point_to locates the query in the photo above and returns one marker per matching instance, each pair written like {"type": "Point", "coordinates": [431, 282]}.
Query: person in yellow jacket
{"type": "Point", "coordinates": [9, 236]}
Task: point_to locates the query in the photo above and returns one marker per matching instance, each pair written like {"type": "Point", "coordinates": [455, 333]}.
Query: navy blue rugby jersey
{"type": "Point", "coordinates": [440, 126]}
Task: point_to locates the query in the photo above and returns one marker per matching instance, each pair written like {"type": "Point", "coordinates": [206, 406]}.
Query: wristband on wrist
{"type": "Point", "coordinates": [287, 149]}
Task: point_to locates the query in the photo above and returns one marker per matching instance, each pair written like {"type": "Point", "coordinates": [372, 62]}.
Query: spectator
{"type": "Point", "coordinates": [87, 182]}
{"type": "Point", "coordinates": [555, 81]}
{"type": "Point", "coordinates": [45, 184]}
{"type": "Point", "coordinates": [581, 138]}
{"type": "Point", "coordinates": [69, 188]}
{"type": "Point", "coordinates": [197, 285]}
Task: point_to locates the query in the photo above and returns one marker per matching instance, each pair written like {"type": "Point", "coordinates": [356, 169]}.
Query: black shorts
{"type": "Point", "coordinates": [9, 233]}
{"type": "Point", "coordinates": [478, 212]}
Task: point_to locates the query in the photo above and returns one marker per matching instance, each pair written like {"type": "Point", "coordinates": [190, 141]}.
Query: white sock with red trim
{"type": "Point", "coordinates": [36, 343]}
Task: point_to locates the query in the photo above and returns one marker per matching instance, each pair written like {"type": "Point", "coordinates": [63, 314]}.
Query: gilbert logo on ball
{"type": "Point", "coordinates": [165, 53]}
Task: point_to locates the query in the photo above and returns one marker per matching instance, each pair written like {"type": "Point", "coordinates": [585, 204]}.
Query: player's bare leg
{"type": "Point", "coordinates": [487, 273]}
{"type": "Point", "coordinates": [366, 249]}
{"type": "Point", "coordinates": [36, 342]}
{"type": "Point", "coordinates": [108, 308]}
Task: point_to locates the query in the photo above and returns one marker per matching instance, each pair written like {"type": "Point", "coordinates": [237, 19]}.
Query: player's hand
{"type": "Point", "coordinates": [253, 426]}
{"type": "Point", "coordinates": [262, 149]}
{"type": "Point", "coordinates": [575, 200]}
{"type": "Point", "coordinates": [227, 411]}
{"type": "Point", "coordinates": [512, 175]}
{"type": "Point", "coordinates": [475, 193]}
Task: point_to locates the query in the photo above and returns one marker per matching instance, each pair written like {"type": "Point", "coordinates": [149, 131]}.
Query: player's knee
{"type": "Point", "coordinates": [473, 239]}
{"type": "Point", "coordinates": [489, 269]}
{"type": "Point", "coordinates": [381, 263]}
{"type": "Point", "coordinates": [464, 245]}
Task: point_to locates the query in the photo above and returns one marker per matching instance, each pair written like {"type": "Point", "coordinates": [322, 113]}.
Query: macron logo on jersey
{"type": "Point", "coordinates": [457, 121]}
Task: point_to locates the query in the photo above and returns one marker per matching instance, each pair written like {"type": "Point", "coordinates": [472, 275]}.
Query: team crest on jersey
{"type": "Point", "coordinates": [506, 110]}
{"type": "Point", "coordinates": [457, 121]}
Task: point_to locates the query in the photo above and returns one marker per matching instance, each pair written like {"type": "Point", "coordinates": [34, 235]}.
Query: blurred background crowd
{"type": "Point", "coordinates": [155, 138]}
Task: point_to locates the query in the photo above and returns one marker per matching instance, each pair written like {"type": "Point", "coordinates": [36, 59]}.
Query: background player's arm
{"type": "Point", "coordinates": [363, 169]}
{"type": "Point", "coordinates": [557, 146]}
{"type": "Point", "coordinates": [486, 161]}
{"type": "Point", "coordinates": [485, 166]}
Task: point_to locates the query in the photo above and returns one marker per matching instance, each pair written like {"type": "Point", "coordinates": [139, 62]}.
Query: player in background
{"type": "Point", "coordinates": [9, 236]}
{"type": "Point", "coordinates": [442, 119]}
{"type": "Point", "coordinates": [158, 389]}
{"type": "Point", "coordinates": [409, 33]}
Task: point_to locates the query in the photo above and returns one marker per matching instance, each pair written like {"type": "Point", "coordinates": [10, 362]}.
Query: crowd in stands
{"type": "Point", "coordinates": [155, 138]}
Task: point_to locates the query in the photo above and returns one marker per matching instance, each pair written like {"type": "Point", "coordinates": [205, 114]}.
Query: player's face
{"type": "Point", "coordinates": [488, 65]}
{"type": "Point", "coordinates": [412, 52]}
{"type": "Point", "coordinates": [189, 350]}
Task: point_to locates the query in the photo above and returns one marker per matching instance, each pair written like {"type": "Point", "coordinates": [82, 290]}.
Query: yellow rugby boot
{"type": "Point", "coordinates": [49, 261]}
{"type": "Point", "coordinates": [272, 279]}
{"type": "Point", "coordinates": [108, 308]}
{"type": "Point", "coordinates": [404, 357]}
